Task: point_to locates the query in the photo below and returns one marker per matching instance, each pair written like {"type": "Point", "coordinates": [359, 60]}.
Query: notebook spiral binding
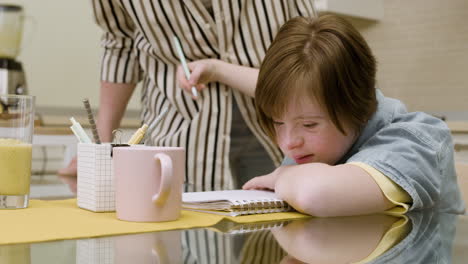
{"type": "Point", "coordinates": [247, 228]}
{"type": "Point", "coordinates": [245, 207]}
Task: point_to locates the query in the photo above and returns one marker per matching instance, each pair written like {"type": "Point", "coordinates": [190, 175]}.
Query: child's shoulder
{"type": "Point", "coordinates": [393, 118]}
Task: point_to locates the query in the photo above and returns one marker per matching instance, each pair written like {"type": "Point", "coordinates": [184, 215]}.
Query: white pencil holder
{"type": "Point", "coordinates": [95, 185]}
{"type": "Point", "coordinates": [95, 251]}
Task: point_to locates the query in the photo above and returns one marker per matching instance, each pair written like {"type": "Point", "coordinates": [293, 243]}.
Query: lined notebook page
{"type": "Point", "coordinates": [234, 202]}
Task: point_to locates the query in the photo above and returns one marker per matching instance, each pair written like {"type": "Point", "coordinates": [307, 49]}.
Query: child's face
{"type": "Point", "coordinates": [306, 134]}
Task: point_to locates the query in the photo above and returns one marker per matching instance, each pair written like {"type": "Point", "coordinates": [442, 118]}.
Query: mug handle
{"type": "Point", "coordinates": [166, 178]}
{"type": "Point", "coordinates": [159, 252]}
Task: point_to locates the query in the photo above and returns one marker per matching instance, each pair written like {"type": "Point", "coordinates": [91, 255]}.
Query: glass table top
{"type": "Point", "coordinates": [419, 237]}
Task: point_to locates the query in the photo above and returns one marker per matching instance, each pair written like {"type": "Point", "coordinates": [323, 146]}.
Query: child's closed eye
{"type": "Point", "coordinates": [310, 125]}
{"type": "Point", "coordinates": [277, 123]}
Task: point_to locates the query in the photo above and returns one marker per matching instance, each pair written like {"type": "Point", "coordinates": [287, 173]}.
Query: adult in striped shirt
{"type": "Point", "coordinates": [224, 143]}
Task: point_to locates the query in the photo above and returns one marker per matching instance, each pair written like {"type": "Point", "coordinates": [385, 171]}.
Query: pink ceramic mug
{"type": "Point", "coordinates": [148, 183]}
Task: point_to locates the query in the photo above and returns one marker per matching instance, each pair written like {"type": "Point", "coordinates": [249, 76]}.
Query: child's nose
{"type": "Point", "coordinates": [294, 141]}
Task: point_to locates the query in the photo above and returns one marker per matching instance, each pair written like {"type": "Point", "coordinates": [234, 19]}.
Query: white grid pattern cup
{"type": "Point", "coordinates": [95, 251]}
{"type": "Point", "coordinates": [95, 187]}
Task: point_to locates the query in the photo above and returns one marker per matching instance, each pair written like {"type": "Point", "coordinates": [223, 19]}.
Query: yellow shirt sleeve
{"type": "Point", "coordinates": [390, 189]}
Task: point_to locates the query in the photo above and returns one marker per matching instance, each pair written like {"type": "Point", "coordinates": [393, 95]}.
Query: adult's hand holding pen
{"type": "Point", "coordinates": [241, 78]}
{"type": "Point", "coordinates": [202, 73]}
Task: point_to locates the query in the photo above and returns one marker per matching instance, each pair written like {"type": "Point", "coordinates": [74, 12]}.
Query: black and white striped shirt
{"type": "Point", "coordinates": [138, 46]}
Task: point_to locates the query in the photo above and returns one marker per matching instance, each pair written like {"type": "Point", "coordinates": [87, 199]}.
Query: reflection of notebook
{"type": "Point", "coordinates": [235, 202]}
{"type": "Point", "coordinates": [229, 227]}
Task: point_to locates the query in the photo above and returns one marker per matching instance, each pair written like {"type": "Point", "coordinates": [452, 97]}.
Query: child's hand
{"type": "Point", "coordinates": [201, 73]}
{"type": "Point", "coordinates": [266, 182]}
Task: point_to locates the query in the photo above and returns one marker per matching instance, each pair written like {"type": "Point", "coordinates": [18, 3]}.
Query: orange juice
{"type": "Point", "coordinates": [15, 167]}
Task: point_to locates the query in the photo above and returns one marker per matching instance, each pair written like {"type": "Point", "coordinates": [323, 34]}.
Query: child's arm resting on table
{"type": "Point", "coordinates": [322, 190]}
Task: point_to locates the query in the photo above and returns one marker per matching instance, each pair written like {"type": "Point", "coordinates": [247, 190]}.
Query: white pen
{"type": "Point", "coordinates": [184, 64]}
{"type": "Point", "coordinates": [79, 131]}
{"type": "Point", "coordinates": [158, 119]}
{"type": "Point", "coordinates": [161, 116]}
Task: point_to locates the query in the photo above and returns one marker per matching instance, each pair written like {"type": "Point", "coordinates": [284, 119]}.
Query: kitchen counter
{"type": "Point", "coordinates": [60, 117]}
{"type": "Point", "coordinates": [458, 126]}
{"type": "Point", "coordinates": [49, 187]}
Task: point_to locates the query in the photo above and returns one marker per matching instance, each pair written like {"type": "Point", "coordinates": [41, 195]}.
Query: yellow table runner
{"type": "Point", "coordinates": [62, 219]}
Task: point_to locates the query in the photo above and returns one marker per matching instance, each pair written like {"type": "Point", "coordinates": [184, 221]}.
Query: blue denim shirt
{"type": "Point", "coordinates": [415, 150]}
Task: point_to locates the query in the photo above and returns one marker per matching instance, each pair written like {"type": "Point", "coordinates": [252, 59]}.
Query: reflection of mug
{"type": "Point", "coordinates": [148, 183]}
{"type": "Point", "coordinates": [158, 247]}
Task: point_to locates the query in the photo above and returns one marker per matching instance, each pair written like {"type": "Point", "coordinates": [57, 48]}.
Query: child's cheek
{"type": "Point", "coordinates": [280, 141]}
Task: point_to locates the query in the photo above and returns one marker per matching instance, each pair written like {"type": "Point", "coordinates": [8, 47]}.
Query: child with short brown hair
{"type": "Point", "coordinates": [349, 150]}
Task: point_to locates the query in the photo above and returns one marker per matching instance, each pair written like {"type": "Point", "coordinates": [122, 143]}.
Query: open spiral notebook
{"type": "Point", "coordinates": [234, 202]}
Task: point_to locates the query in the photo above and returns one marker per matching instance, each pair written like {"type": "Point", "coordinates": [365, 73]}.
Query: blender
{"type": "Point", "coordinates": [12, 77]}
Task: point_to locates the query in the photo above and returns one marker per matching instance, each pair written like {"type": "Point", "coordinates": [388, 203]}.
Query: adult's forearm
{"type": "Point", "coordinates": [241, 78]}
{"type": "Point", "coordinates": [113, 101]}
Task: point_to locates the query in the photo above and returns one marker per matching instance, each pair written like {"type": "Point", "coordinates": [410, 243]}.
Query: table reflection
{"type": "Point", "coordinates": [339, 239]}
{"type": "Point", "coordinates": [18, 254]}
{"type": "Point", "coordinates": [161, 247]}
{"type": "Point", "coordinates": [419, 237]}
{"type": "Point", "coordinates": [430, 241]}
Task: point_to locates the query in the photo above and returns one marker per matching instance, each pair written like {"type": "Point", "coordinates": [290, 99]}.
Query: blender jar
{"type": "Point", "coordinates": [11, 29]}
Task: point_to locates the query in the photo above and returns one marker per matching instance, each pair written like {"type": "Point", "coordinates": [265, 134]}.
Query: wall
{"type": "Point", "coordinates": [61, 52]}
{"type": "Point", "coordinates": [422, 52]}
